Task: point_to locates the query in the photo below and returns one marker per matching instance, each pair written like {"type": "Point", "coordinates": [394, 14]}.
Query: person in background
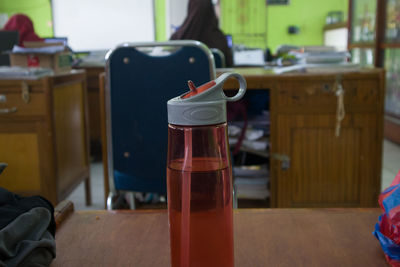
{"type": "Point", "coordinates": [201, 24]}
{"type": "Point", "coordinates": [23, 24]}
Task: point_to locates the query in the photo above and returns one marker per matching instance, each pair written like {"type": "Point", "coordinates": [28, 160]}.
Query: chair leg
{"type": "Point", "coordinates": [110, 200]}
{"type": "Point", "coordinates": [88, 194]}
{"type": "Point", "coordinates": [235, 200]}
{"type": "Point", "coordinates": [131, 200]}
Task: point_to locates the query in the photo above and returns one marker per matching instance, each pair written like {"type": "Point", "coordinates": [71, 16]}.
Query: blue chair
{"type": "Point", "coordinates": [139, 84]}
{"type": "Point", "coordinates": [219, 58]}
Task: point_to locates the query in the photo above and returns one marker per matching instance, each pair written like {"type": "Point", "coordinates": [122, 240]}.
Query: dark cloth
{"type": "Point", "coordinates": [27, 230]}
{"type": "Point", "coordinates": [23, 24]}
{"type": "Point", "coordinates": [26, 241]}
{"type": "Point", "coordinates": [12, 205]}
{"type": "Point", "coordinates": [201, 24]}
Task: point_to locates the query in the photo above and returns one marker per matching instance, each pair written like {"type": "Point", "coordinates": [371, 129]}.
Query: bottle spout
{"type": "Point", "coordinates": [197, 90]}
{"type": "Point", "coordinates": [192, 87]}
{"type": "Point", "coordinates": [204, 105]}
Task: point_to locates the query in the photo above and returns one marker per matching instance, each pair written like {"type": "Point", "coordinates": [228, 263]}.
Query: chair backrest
{"type": "Point", "coordinates": [139, 85]}
{"type": "Point", "coordinates": [219, 58]}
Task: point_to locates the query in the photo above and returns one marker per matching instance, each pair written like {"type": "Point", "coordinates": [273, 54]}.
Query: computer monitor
{"type": "Point", "coordinates": [7, 41]}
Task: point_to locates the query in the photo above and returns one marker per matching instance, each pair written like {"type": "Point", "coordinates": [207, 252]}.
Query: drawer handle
{"type": "Point", "coordinates": [8, 110]}
{"type": "Point", "coordinates": [284, 159]}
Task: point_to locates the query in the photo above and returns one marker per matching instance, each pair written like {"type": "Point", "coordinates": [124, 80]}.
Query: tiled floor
{"type": "Point", "coordinates": [391, 162]}
{"type": "Point", "coordinates": [97, 189]}
{"type": "Point", "coordinates": [391, 166]}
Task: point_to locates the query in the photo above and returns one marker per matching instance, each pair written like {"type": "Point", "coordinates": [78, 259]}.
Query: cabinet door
{"type": "Point", "coordinates": [24, 148]}
{"type": "Point", "coordinates": [70, 136]}
{"type": "Point", "coordinates": [325, 170]}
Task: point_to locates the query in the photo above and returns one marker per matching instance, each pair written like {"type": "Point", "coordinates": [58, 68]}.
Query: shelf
{"type": "Point", "coordinates": [362, 21]}
{"type": "Point", "coordinates": [390, 45]}
{"type": "Point", "coordinates": [335, 26]}
{"type": "Point", "coordinates": [361, 45]}
{"type": "Point", "coordinates": [394, 117]}
{"type": "Point", "coordinates": [264, 154]}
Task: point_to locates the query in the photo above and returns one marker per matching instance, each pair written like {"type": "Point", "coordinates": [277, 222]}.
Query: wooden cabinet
{"type": "Point", "coordinates": [44, 136]}
{"type": "Point", "coordinates": [94, 107]}
{"type": "Point", "coordinates": [310, 165]}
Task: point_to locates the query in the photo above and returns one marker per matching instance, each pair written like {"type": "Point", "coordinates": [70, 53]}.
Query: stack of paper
{"type": "Point", "coordinates": [256, 136]}
{"type": "Point", "coordinates": [24, 72]}
{"type": "Point", "coordinates": [251, 182]}
{"type": "Point", "coordinates": [320, 55]}
{"type": "Point", "coordinates": [94, 59]}
{"type": "Point", "coordinates": [318, 68]}
{"type": "Point", "coordinates": [41, 50]}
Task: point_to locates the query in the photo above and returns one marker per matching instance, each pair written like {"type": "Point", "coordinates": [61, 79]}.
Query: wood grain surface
{"type": "Point", "coordinates": [265, 237]}
{"type": "Point", "coordinates": [45, 141]}
{"type": "Point", "coordinates": [93, 86]}
{"type": "Point", "coordinates": [326, 170]}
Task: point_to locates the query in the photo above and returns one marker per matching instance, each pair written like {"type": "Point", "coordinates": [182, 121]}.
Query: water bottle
{"type": "Point", "coordinates": [199, 176]}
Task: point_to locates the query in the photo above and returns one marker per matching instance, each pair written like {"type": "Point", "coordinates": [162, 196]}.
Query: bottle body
{"type": "Point", "coordinates": [199, 182]}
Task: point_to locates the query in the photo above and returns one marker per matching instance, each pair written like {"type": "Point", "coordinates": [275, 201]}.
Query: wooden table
{"type": "Point", "coordinates": [264, 237]}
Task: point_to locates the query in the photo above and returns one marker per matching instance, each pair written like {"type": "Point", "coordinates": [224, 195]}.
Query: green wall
{"type": "Point", "coordinates": [251, 22]}
{"type": "Point", "coordinates": [160, 14]}
{"type": "Point", "coordinates": [38, 10]}
{"type": "Point", "coordinates": [266, 26]}
{"type": "Point", "coordinates": [309, 15]}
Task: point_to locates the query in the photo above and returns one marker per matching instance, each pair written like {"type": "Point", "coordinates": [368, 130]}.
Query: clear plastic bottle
{"type": "Point", "coordinates": [199, 178]}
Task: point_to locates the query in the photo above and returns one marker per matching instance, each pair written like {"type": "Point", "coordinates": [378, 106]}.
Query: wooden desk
{"type": "Point", "coordinates": [266, 237]}
{"type": "Point", "coordinates": [309, 165]}
{"type": "Point", "coordinates": [45, 137]}
{"type": "Point", "coordinates": [92, 74]}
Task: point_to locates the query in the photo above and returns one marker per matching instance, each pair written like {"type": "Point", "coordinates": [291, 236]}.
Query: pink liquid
{"type": "Point", "coordinates": [203, 234]}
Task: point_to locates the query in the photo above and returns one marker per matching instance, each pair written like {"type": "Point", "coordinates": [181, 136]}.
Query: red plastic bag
{"type": "Point", "coordinates": [387, 230]}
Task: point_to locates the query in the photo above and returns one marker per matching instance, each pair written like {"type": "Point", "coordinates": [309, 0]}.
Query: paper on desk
{"type": "Point", "coordinates": [251, 182]}
{"type": "Point", "coordinates": [251, 134]}
{"type": "Point", "coordinates": [318, 68]}
{"type": "Point", "coordinates": [234, 130]}
{"type": "Point", "coordinates": [245, 193]}
{"type": "Point", "coordinates": [254, 134]}
{"type": "Point", "coordinates": [16, 72]}
{"type": "Point", "coordinates": [259, 145]}
{"type": "Point", "coordinates": [41, 50]}
{"type": "Point", "coordinates": [95, 58]}
{"type": "Point", "coordinates": [251, 171]}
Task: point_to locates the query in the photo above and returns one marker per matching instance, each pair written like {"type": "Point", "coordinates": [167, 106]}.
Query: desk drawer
{"type": "Point", "coordinates": [360, 95]}
{"type": "Point", "coordinates": [12, 104]}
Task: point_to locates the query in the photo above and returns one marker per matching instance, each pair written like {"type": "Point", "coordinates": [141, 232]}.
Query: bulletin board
{"type": "Point", "coordinates": [103, 24]}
